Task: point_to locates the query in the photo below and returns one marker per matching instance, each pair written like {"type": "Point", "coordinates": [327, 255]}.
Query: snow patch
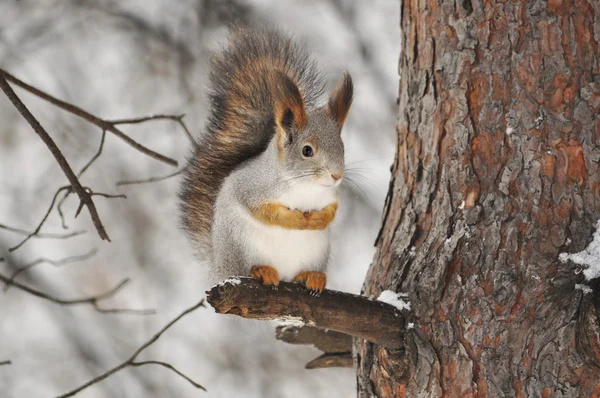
{"type": "Point", "coordinates": [410, 325]}
{"type": "Point", "coordinates": [288, 320]}
{"type": "Point", "coordinates": [584, 288]}
{"type": "Point", "coordinates": [462, 205]}
{"type": "Point", "coordinates": [231, 281]}
{"type": "Point", "coordinates": [509, 130]}
{"type": "Point", "coordinates": [589, 256]}
{"type": "Point", "coordinates": [412, 252]}
{"type": "Point", "coordinates": [393, 298]}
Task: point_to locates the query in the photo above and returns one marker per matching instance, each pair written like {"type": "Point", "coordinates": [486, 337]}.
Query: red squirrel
{"type": "Point", "coordinates": [261, 187]}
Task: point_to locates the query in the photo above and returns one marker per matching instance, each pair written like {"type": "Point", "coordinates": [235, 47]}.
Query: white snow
{"type": "Point", "coordinates": [412, 252]}
{"type": "Point", "coordinates": [589, 256]}
{"type": "Point", "coordinates": [393, 298]}
{"type": "Point", "coordinates": [232, 281]}
{"type": "Point", "coordinates": [584, 288]}
{"type": "Point", "coordinates": [288, 320]}
{"type": "Point", "coordinates": [509, 130]}
{"type": "Point", "coordinates": [462, 205]}
{"type": "Point", "coordinates": [410, 325]}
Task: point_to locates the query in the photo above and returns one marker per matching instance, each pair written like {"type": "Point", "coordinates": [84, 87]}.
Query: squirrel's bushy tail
{"type": "Point", "coordinates": [242, 83]}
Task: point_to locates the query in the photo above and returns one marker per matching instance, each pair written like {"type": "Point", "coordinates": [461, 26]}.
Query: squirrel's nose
{"type": "Point", "coordinates": [336, 176]}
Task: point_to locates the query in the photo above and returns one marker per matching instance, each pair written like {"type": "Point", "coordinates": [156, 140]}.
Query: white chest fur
{"type": "Point", "coordinates": [287, 250]}
{"type": "Point", "coordinates": [308, 196]}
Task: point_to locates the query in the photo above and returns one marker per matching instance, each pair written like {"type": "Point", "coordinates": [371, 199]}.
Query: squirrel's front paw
{"type": "Point", "coordinates": [314, 281]}
{"type": "Point", "coordinates": [267, 274]}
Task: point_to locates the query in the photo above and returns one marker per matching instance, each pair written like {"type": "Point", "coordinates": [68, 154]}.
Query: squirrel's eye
{"type": "Point", "coordinates": [307, 151]}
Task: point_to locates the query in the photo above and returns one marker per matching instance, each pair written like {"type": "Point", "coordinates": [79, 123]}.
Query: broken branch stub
{"type": "Point", "coordinates": [375, 321]}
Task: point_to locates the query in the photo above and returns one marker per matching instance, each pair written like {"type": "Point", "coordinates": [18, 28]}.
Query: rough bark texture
{"type": "Point", "coordinates": [496, 173]}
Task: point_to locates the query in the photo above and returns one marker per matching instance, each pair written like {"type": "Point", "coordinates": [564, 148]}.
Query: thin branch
{"type": "Point", "coordinates": [56, 263]}
{"type": "Point", "coordinates": [175, 118]}
{"type": "Point", "coordinates": [171, 367]}
{"type": "Point", "coordinates": [47, 235]}
{"type": "Point", "coordinates": [343, 312]}
{"type": "Point", "coordinates": [93, 300]}
{"type": "Point", "coordinates": [96, 156]}
{"type": "Point", "coordinates": [84, 197]}
{"type": "Point", "coordinates": [149, 180]}
{"type": "Point", "coordinates": [5, 363]}
{"type": "Point", "coordinates": [37, 229]}
{"type": "Point", "coordinates": [132, 359]}
{"type": "Point", "coordinates": [75, 110]}
{"type": "Point", "coordinates": [68, 190]}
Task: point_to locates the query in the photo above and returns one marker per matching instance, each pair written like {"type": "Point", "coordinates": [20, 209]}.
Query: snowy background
{"type": "Point", "coordinates": [120, 59]}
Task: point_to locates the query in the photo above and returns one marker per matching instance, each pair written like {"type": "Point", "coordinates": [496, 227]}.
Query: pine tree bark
{"type": "Point", "coordinates": [496, 173]}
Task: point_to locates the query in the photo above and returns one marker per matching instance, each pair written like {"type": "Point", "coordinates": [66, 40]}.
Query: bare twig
{"type": "Point", "coordinates": [93, 300]}
{"type": "Point", "coordinates": [75, 110]}
{"type": "Point", "coordinates": [132, 359]}
{"type": "Point", "coordinates": [5, 363]}
{"type": "Point", "coordinates": [96, 156]}
{"type": "Point", "coordinates": [84, 197]}
{"type": "Point", "coordinates": [47, 235]}
{"type": "Point", "coordinates": [149, 180]}
{"type": "Point", "coordinates": [171, 367]}
{"type": "Point", "coordinates": [68, 189]}
{"type": "Point", "coordinates": [175, 118]}
{"type": "Point", "coordinates": [343, 312]}
{"type": "Point", "coordinates": [37, 229]}
{"type": "Point", "coordinates": [56, 263]}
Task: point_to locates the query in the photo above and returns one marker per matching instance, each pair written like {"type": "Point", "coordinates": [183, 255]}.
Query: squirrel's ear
{"type": "Point", "coordinates": [341, 99]}
{"type": "Point", "coordinates": [289, 107]}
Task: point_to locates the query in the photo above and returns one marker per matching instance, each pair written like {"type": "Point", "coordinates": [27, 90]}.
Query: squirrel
{"type": "Point", "coordinates": [261, 187]}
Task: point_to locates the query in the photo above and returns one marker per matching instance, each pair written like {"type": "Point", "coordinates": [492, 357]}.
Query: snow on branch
{"type": "Point", "coordinates": [375, 321]}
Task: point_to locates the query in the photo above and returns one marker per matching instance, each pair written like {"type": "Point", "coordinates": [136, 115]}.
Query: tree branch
{"type": "Point", "coordinates": [48, 235]}
{"type": "Point", "coordinates": [149, 180]}
{"type": "Point", "coordinates": [339, 360]}
{"type": "Point", "coordinates": [176, 118]}
{"type": "Point", "coordinates": [328, 341]}
{"type": "Point", "coordinates": [94, 300]}
{"type": "Point", "coordinates": [84, 197]}
{"type": "Point", "coordinates": [336, 346]}
{"type": "Point", "coordinates": [75, 110]}
{"type": "Point", "coordinates": [132, 359]}
{"type": "Point", "coordinates": [56, 263]}
{"type": "Point", "coordinates": [343, 312]}
{"type": "Point", "coordinates": [5, 363]}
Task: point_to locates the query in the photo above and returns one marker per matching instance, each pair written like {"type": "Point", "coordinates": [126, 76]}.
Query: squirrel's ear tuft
{"type": "Point", "coordinates": [341, 99]}
{"type": "Point", "coordinates": [289, 106]}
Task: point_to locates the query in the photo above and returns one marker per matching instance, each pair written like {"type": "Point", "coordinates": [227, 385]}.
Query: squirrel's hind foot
{"type": "Point", "coordinates": [314, 281]}
{"type": "Point", "coordinates": [267, 274]}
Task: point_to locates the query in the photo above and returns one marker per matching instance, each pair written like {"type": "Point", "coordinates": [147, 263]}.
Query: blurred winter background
{"type": "Point", "coordinates": [121, 59]}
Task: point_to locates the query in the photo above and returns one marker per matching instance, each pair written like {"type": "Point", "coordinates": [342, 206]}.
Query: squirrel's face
{"type": "Point", "coordinates": [310, 145]}
{"type": "Point", "coordinates": [314, 153]}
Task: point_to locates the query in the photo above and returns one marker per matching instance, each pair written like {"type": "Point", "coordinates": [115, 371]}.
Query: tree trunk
{"type": "Point", "coordinates": [496, 173]}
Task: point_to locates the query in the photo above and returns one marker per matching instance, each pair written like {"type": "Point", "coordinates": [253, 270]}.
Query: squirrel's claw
{"type": "Point", "coordinates": [267, 274]}
{"type": "Point", "coordinates": [314, 281]}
